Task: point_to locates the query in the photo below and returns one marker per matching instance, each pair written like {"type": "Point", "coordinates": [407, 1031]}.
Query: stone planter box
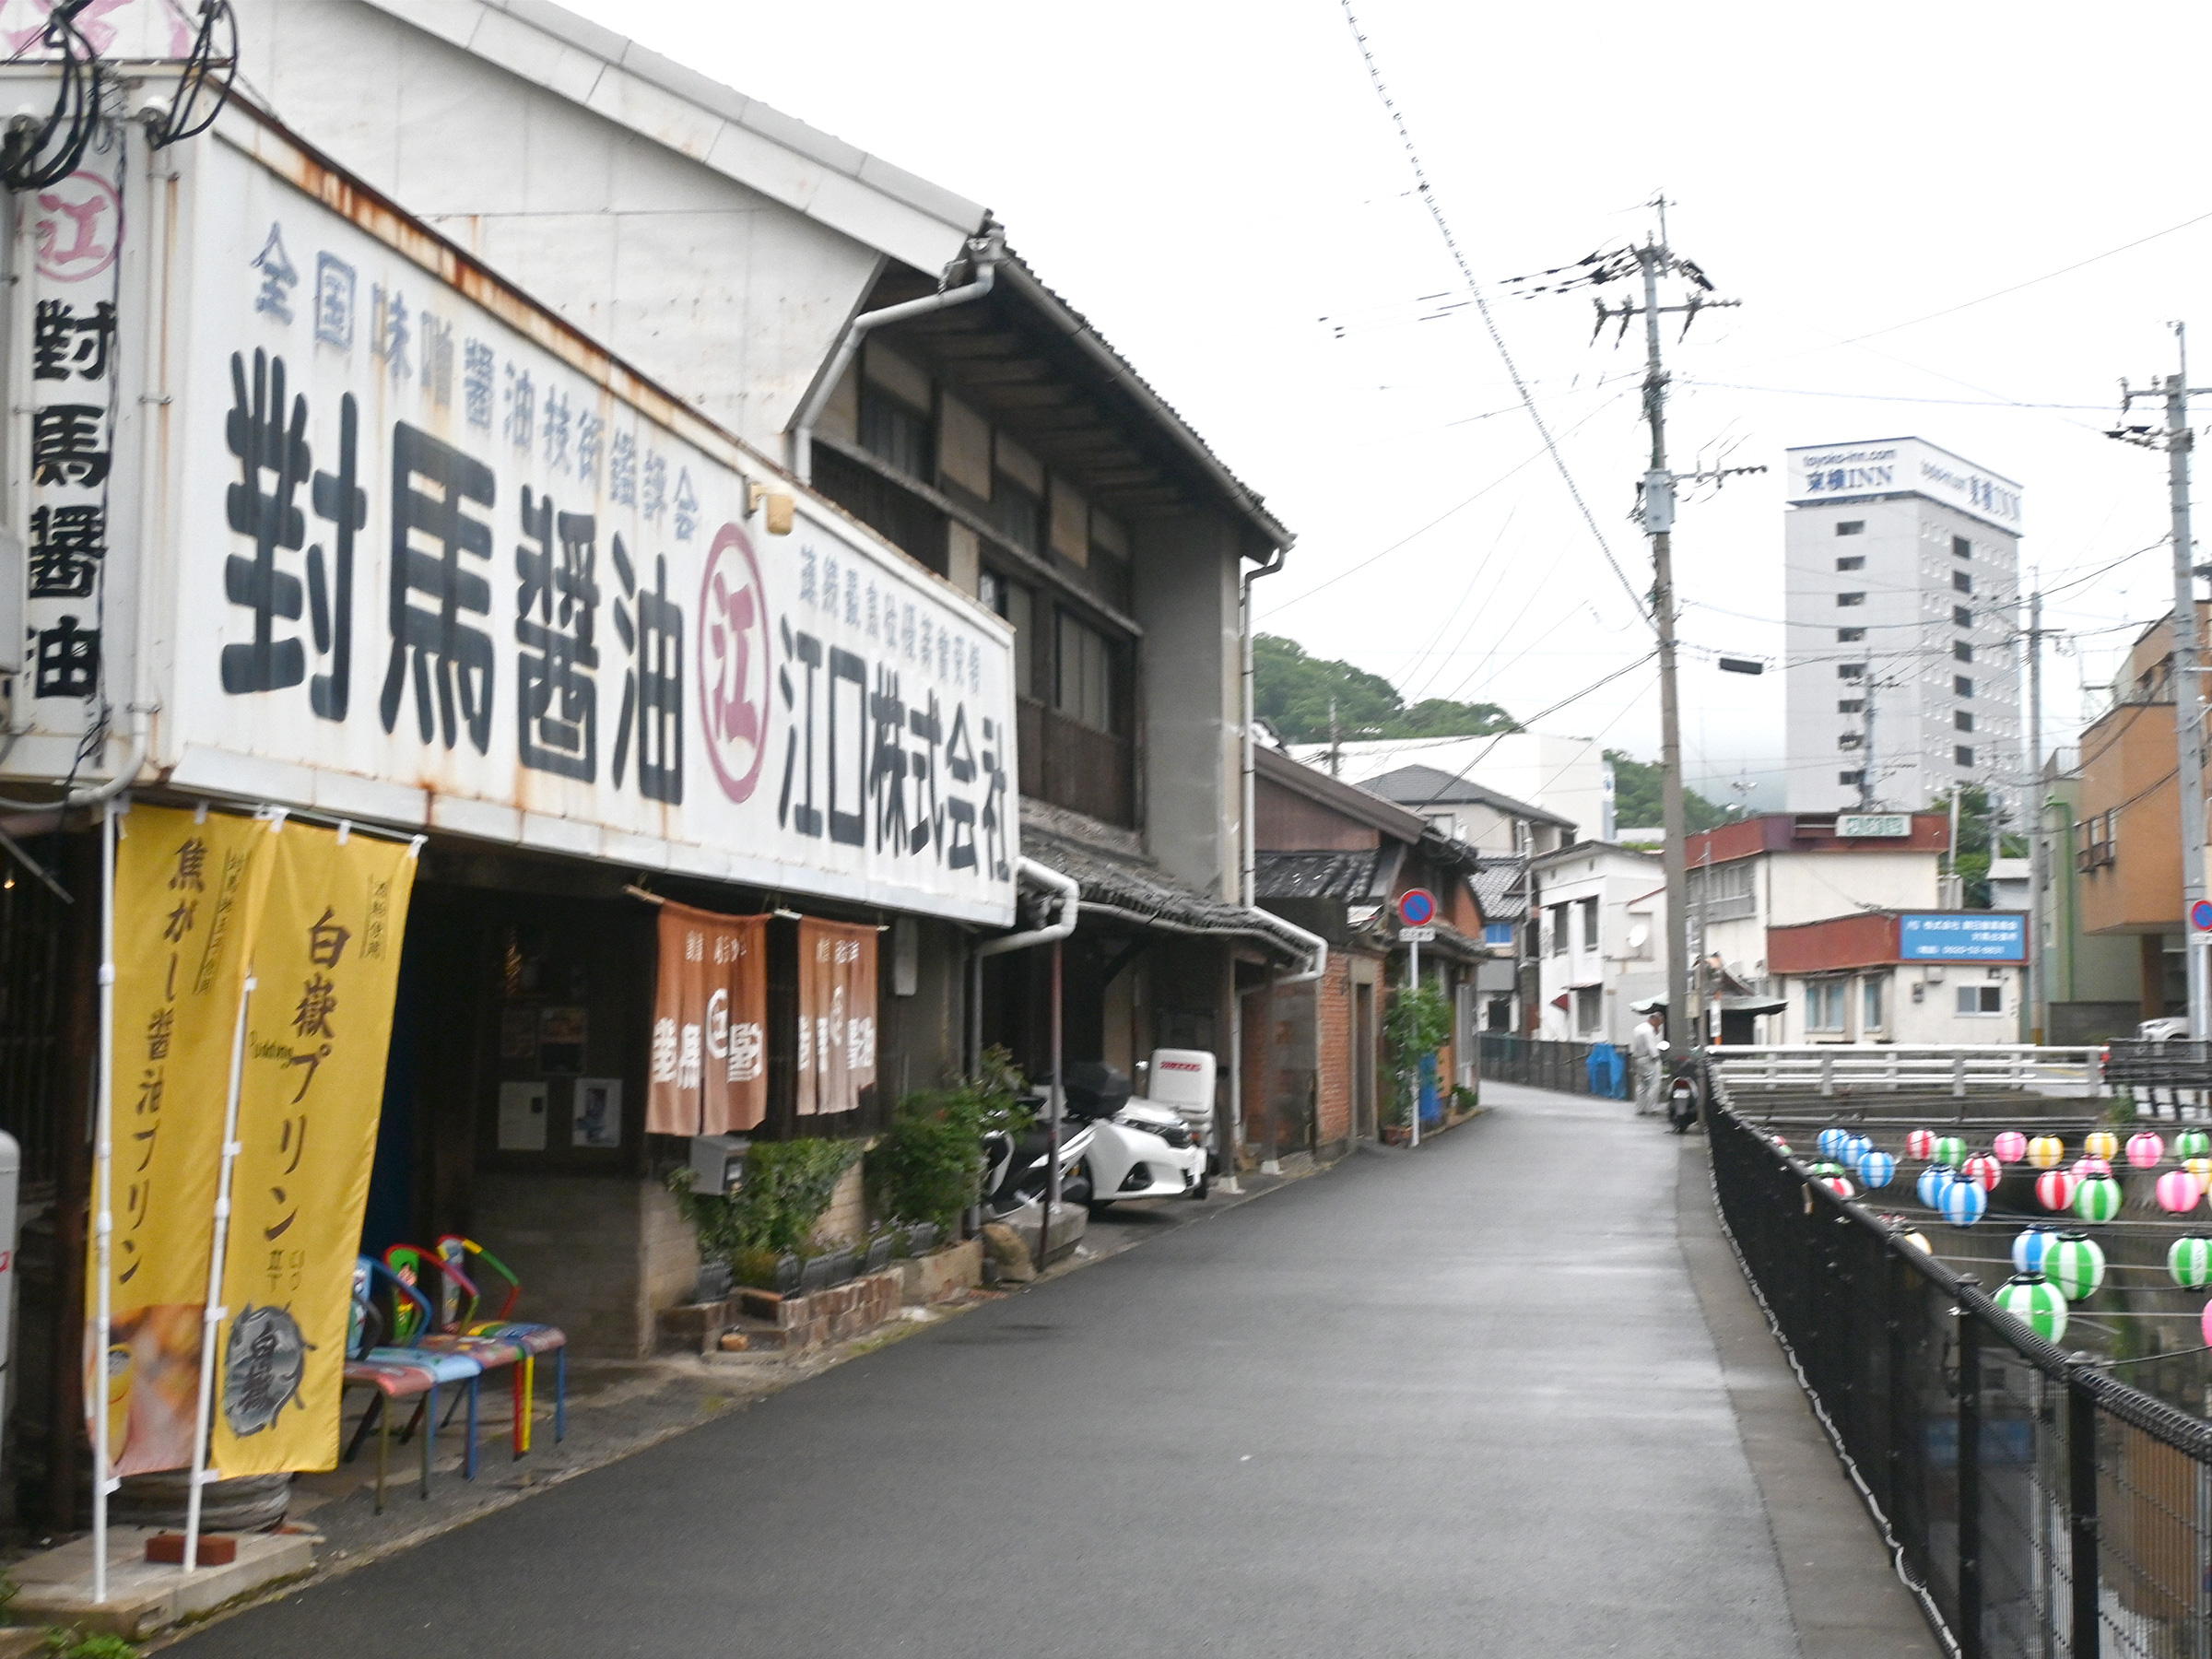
{"type": "Point", "coordinates": [793, 1324]}
{"type": "Point", "coordinates": [944, 1274]}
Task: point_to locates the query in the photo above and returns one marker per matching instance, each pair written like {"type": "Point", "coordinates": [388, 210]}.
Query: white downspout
{"type": "Point", "coordinates": [1248, 862]}
{"type": "Point", "coordinates": [1071, 896]}
{"type": "Point", "coordinates": [983, 254]}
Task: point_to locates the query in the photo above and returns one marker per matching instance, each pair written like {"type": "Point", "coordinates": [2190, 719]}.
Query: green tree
{"type": "Point", "coordinates": [1636, 803]}
{"type": "Point", "coordinates": [1292, 691]}
{"type": "Point", "coordinates": [1979, 825]}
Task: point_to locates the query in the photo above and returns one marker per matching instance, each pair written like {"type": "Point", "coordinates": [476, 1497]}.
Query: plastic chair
{"type": "Point", "coordinates": [534, 1338]}
{"type": "Point", "coordinates": [400, 1373]}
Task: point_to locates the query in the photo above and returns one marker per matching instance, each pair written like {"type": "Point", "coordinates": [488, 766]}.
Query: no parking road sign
{"type": "Point", "coordinates": [2200, 916]}
{"type": "Point", "coordinates": [1417, 908]}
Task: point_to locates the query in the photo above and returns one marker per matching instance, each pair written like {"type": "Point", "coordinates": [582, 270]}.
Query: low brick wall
{"type": "Point", "coordinates": [831, 1315]}
{"type": "Point", "coordinates": [943, 1273]}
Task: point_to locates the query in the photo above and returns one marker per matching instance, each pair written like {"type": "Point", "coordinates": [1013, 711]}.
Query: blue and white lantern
{"type": "Point", "coordinates": [1831, 1142]}
{"type": "Point", "coordinates": [1961, 1201]}
{"type": "Point", "coordinates": [1933, 1180]}
{"type": "Point", "coordinates": [2030, 1248]}
{"type": "Point", "coordinates": [1876, 1167]}
{"type": "Point", "coordinates": [1855, 1147]}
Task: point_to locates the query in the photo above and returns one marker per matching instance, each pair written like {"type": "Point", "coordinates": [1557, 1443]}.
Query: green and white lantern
{"type": "Point", "coordinates": [2036, 1303]}
{"type": "Point", "coordinates": [2189, 1260]}
{"type": "Point", "coordinates": [1950, 1150]}
{"type": "Point", "coordinates": [2075, 1265]}
{"type": "Point", "coordinates": [2192, 1143]}
{"type": "Point", "coordinates": [2098, 1198]}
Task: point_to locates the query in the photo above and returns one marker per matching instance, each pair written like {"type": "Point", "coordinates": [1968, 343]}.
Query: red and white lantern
{"type": "Point", "coordinates": [1984, 1171]}
{"type": "Point", "coordinates": [1921, 1144]}
{"type": "Point", "coordinates": [2054, 1189]}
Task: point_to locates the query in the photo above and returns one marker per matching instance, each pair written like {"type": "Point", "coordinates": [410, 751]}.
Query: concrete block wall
{"type": "Point", "coordinates": [597, 1256]}
{"type": "Point", "coordinates": [847, 1217]}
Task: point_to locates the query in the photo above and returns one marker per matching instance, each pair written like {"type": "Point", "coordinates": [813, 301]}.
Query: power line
{"type": "Point", "coordinates": [1482, 305]}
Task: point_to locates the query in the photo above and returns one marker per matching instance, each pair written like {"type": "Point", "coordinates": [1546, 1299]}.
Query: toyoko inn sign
{"type": "Point", "coordinates": [439, 563]}
{"type": "Point", "coordinates": [1902, 466]}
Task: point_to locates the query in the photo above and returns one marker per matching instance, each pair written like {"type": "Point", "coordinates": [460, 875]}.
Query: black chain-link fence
{"type": "Point", "coordinates": [2040, 1508]}
{"type": "Point", "coordinates": [1542, 1064]}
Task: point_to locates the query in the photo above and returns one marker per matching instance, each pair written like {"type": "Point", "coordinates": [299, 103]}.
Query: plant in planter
{"type": "Point", "coordinates": [881, 1244]}
{"type": "Point", "coordinates": [1417, 1025]}
{"type": "Point", "coordinates": [787, 1188]}
{"type": "Point", "coordinates": [926, 1167]}
{"type": "Point", "coordinates": [766, 1270]}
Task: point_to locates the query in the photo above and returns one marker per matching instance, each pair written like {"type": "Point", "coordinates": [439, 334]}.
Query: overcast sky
{"type": "Point", "coordinates": [1216, 183]}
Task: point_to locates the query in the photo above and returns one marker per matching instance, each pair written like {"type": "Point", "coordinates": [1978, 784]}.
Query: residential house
{"type": "Point", "coordinates": [2093, 983]}
{"type": "Point", "coordinates": [1335, 860]}
{"type": "Point", "coordinates": [1602, 937]}
{"type": "Point", "coordinates": [2126, 840]}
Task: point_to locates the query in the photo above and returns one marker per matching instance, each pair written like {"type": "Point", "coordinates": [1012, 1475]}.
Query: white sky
{"type": "Point", "coordinates": [1208, 180]}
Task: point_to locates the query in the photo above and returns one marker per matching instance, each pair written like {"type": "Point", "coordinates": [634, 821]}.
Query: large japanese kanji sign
{"type": "Point", "coordinates": [440, 562]}
{"type": "Point", "coordinates": [709, 1019]}
{"type": "Point", "coordinates": [188, 905]}
{"type": "Point", "coordinates": [319, 1025]}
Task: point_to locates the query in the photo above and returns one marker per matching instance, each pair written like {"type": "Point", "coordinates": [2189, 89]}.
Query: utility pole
{"type": "Point", "coordinates": [2188, 686]}
{"type": "Point", "coordinates": [1653, 259]}
{"type": "Point", "coordinates": [1866, 747]}
{"type": "Point", "coordinates": [2038, 854]}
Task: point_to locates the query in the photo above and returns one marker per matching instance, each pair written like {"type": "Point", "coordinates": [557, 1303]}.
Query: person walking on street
{"type": "Point", "coordinates": [1643, 1061]}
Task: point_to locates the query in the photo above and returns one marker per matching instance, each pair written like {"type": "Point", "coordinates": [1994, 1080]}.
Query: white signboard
{"type": "Point", "coordinates": [1873, 826]}
{"type": "Point", "coordinates": [431, 568]}
{"type": "Point", "coordinates": [1902, 466]}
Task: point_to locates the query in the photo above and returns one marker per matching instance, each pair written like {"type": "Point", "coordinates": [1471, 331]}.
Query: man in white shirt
{"type": "Point", "coordinates": [1643, 1061]}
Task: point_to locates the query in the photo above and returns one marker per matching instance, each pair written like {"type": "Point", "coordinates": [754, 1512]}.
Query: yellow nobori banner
{"type": "Point", "coordinates": [319, 1027]}
{"type": "Point", "coordinates": [188, 902]}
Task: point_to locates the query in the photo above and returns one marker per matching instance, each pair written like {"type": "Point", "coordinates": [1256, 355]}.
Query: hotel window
{"type": "Point", "coordinates": [1961, 546]}
{"type": "Point", "coordinates": [1848, 599]}
{"type": "Point", "coordinates": [1852, 527]}
{"type": "Point", "coordinates": [1963, 581]}
{"type": "Point", "coordinates": [1851, 671]}
{"type": "Point", "coordinates": [1856, 561]}
{"type": "Point", "coordinates": [1852, 705]}
{"type": "Point", "coordinates": [1962, 755]}
{"type": "Point", "coordinates": [1961, 685]}
{"type": "Point", "coordinates": [1851, 780]}
{"type": "Point", "coordinates": [1962, 651]}
{"type": "Point", "coordinates": [1851, 740]}
{"type": "Point", "coordinates": [1850, 636]}
{"type": "Point", "coordinates": [1962, 720]}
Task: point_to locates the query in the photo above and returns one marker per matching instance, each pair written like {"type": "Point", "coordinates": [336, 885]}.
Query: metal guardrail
{"type": "Point", "coordinates": [1832, 1068]}
{"type": "Point", "coordinates": [2037, 1507]}
{"type": "Point", "coordinates": [2177, 1062]}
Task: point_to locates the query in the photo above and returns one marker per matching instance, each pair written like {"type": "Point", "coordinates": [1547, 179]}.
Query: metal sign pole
{"type": "Point", "coordinates": [1413, 988]}
{"type": "Point", "coordinates": [103, 1211]}
{"type": "Point", "coordinates": [212, 1317]}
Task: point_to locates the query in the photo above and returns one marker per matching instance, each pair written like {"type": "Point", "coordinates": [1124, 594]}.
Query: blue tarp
{"type": "Point", "coordinates": [1608, 1072]}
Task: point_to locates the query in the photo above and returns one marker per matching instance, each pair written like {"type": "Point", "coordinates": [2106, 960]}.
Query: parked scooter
{"type": "Point", "coordinates": [1135, 1150]}
{"type": "Point", "coordinates": [1016, 1167]}
{"type": "Point", "coordinates": [1683, 1093]}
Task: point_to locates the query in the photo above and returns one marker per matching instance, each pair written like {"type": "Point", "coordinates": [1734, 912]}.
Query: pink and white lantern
{"type": "Point", "coordinates": [2145, 1150]}
{"type": "Point", "coordinates": [2178, 1191]}
{"type": "Point", "coordinates": [2010, 1147]}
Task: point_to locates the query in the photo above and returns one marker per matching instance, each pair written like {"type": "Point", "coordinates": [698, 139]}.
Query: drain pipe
{"type": "Point", "coordinates": [1249, 850]}
{"type": "Point", "coordinates": [1248, 861]}
{"type": "Point", "coordinates": [1071, 898]}
{"type": "Point", "coordinates": [983, 254]}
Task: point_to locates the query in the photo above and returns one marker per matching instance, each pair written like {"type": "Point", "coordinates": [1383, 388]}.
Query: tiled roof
{"type": "Point", "coordinates": [1141, 891]}
{"type": "Point", "coordinates": [1346, 876]}
{"type": "Point", "coordinates": [1419, 786]}
{"type": "Point", "coordinates": [1500, 886]}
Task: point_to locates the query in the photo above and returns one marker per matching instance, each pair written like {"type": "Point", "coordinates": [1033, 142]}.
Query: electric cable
{"type": "Point", "coordinates": [1436, 212]}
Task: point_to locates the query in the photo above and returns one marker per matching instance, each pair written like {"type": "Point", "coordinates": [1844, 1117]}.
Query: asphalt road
{"type": "Point", "coordinates": [1457, 1403]}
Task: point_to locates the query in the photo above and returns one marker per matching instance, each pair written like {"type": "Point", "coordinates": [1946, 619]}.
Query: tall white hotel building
{"type": "Point", "coordinates": [1903, 591]}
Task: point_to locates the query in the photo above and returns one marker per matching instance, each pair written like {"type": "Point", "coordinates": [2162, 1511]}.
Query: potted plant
{"type": "Point", "coordinates": [880, 1247]}
{"type": "Point", "coordinates": [922, 1237]}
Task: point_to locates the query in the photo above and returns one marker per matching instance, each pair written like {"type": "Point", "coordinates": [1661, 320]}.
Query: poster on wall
{"type": "Point", "coordinates": [447, 563]}
{"type": "Point", "coordinates": [836, 1016]}
{"type": "Point", "coordinates": [319, 1028]}
{"type": "Point", "coordinates": [188, 905]}
{"type": "Point", "coordinates": [709, 1066]}
{"type": "Point", "coordinates": [597, 1121]}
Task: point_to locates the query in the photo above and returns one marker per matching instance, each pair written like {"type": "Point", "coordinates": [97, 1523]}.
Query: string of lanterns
{"type": "Point", "coordinates": [2052, 1269]}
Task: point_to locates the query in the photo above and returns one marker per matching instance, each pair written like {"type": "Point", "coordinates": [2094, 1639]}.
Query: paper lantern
{"type": "Point", "coordinates": [2206, 1324]}
{"type": "Point", "coordinates": [2029, 1247]}
{"type": "Point", "coordinates": [1855, 1147]}
{"type": "Point", "coordinates": [1839, 1186]}
{"type": "Point", "coordinates": [2178, 1191]}
{"type": "Point", "coordinates": [1918, 1240]}
{"type": "Point", "coordinates": [2075, 1265]}
{"type": "Point", "coordinates": [2054, 1189]}
{"type": "Point", "coordinates": [1921, 1143]}
{"type": "Point", "coordinates": [1962, 1201]}
{"type": "Point", "coordinates": [1877, 1168]}
{"type": "Point", "coordinates": [2145, 1150]}
{"type": "Point", "coordinates": [2189, 1261]}
{"type": "Point", "coordinates": [1950, 1150]}
{"type": "Point", "coordinates": [2046, 1151]}
{"type": "Point", "coordinates": [2192, 1143]}
{"type": "Point", "coordinates": [2086, 1167]}
{"type": "Point", "coordinates": [2101, 1143]}
{"type": "Point", "coordinates": [1929, 1188]}
{"type": "Point", "coordinates": [2036, 1303]}
{"type": "Point", "coordinates": [1984, 1170]}
{"type": "Point", "coordinates": [2010, 1147]}
{"type": "Point", "coordinates": [2098, 1198]}
{"type": "Point", "coordinates": [2202, 1169]}
{"type": "Point", "coordinates": [1830, 1142]}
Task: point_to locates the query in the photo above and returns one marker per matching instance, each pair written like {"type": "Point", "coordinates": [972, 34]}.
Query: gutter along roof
{"type": "Point", "coordinates": [1140, 892]}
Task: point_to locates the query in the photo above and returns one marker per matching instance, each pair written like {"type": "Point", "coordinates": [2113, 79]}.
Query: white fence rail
{"type": "Point", "coordinates": [1832, 1068]}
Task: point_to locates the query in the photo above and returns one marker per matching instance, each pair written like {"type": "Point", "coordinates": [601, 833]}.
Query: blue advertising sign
{"type": "Point", "coordinates": [1963, 936]}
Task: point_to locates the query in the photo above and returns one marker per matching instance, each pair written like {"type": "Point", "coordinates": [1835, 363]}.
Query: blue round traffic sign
{"type": "Point", "coordinates": [1416, 907]}
{"type": "Point", "coordinates": [2200, 915]}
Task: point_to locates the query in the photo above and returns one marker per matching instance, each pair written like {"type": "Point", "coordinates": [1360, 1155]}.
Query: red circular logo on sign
{"type": "Point", "coordinates": [734, 663]}
{"type": "Point", "coordinates": [79, 227]}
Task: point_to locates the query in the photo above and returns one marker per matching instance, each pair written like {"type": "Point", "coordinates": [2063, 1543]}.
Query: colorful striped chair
{"type": "Point", "coordinates": [535, 1339]}
{"type": "Point", "coordinates": [401, 1374]}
